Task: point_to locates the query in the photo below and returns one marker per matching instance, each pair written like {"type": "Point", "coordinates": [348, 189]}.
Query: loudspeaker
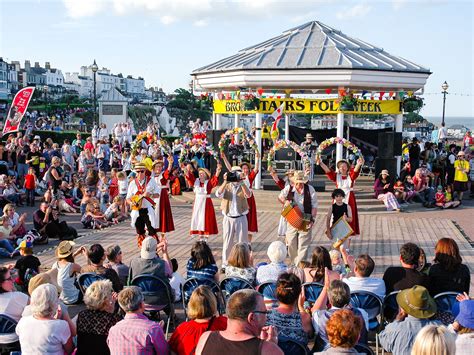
{"type": "Point", "coordinates": [385, 145]}
{"type": "Point", "coordinates": [285, 154]}
{"type": "Point", "coordinates": [397, 143]}
{"type": "Point", "coordinates": [386, 163]}
{"type": "Point", "coordinates": [213, 136]}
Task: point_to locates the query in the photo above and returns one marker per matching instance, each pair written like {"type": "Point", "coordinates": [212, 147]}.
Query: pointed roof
{"type": "Point", "coordinates": [113, 95]}
{"type": "Point", "coordinates": [313, 45]}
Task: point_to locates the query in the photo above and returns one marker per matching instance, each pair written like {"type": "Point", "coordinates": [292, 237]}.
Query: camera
{"type": "Point", "coordinates": [233, 176]}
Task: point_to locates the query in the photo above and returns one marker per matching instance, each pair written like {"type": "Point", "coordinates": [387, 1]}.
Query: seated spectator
{"type": "Point", "coordinates": [239, 263]}
{"type": "Point", "coordinates": [114, 213]}
{"type": "Point", "coordinates": [67, 270]}
{"type": "Point", "coordinates": [434, 340]}
{"type": "Point", "coordinates": [176, 280]}
{"type": "Point", "coordinates": [361, 281]}
{"type": "Point", "coordinates": [424, 192]}
{"type": "Point", "coordinates": [17, 222]}
{"type": "Point", "coordinates": [203, 315]}
{"type": "Point", "coordinates": [405, 276]}
{"type": "Point", "coordinates": [463, 325]}
{"type": "Point", "coordinates": [42, 333]}
{"type": "Point", "coordinates": [319, 261]}
{"type": "Point", "coordinates": [202, 265]}
{"type": "Point", "coordinates": [136, 334]}
{"type": "Point", "coordinates": [343, 329]}
{"type": "Point", "coordinates": [416, 307]}
{"type": "Point", "coordinates": [114, 256]}
{"type": "Point", "coordinates": [383, 191]}
{"type": "Point", "coordinates": [96, 256]}
{"type": "Point", "coordinates": [7, 240]}
{"type": "Point", "coordinates": [46, 222]}
{"type": "Point", "coordinates": [246, 332]}
{"type": "Point", "coordinates": [94, 323]}
{"type": "Point", "coordinates": [27, 261]}
{"type": "Point", "coordinates": [290, 318]}
{"type": "Point", "coordinates": [277, 254]}
{"type": "Point", "coordinates": [336, 262]}
{"type": "Point", "coordinates": [448, 273]}
{"type": "Point", "coordinates": [94, 218]}
{"type": "Point", "coordinates": [339, 296]}
{"type": "Point", "coordinates": [149, 262]}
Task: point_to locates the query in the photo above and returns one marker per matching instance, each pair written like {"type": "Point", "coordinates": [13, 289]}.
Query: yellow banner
{"type": "Point", "coordinates": [320, 107]}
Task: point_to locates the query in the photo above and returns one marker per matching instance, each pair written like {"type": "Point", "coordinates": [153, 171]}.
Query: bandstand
{"type": "Point", "coordinates": [308, 69]}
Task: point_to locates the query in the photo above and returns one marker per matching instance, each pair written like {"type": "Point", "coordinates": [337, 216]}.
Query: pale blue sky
{"type": "Point", "coordinates": [163, 41]}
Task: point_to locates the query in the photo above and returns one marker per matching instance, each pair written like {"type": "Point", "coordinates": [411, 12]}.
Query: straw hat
{"type": "Point", "coordinates": [384, 172]}
{"type": "Point", "coordinates": [417, 302]}
{"type": "Point", "coordinates": [236, 168]}
{"type": "Point", "coordinates": [300, 177]}
{"type": "Point", "coordinates": [158, 162]}
{"type": "Point", "coordinates": [290, 172]}
{"type": "Point", "coordinates": [206, 171]}
{"type": "Point", "coordinates": [65, 248]}
{"type": "Point", "coordinates": [341, 162]}
{"type": "Point", "coordinates": [309, 136]}
{"type": "Point", "coordinates": [246, 163]}
{"type": "Point", "coordinates": [139, 165]}
{"type": "Point", "coordinates": [49, 277]}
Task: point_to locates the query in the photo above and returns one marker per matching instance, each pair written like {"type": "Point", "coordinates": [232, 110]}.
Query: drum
{"type": "Point", "coordinates": [295, 217]}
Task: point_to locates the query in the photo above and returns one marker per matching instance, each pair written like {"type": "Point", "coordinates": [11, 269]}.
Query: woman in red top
{"type": "Point", "coordinates": [202, 310]}
{"type": "Point", "coordinates": [203, 220]}
{"type": "Point", "coordinates": [113, 187]}
{"type": "Point", "coordinates": [163, 208]}
{"type": "Point", "coordinates": [345, 179]}
{"type": "Point", "coordinates": [30, 185]}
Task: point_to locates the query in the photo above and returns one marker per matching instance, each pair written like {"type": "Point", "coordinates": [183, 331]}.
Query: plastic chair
{"type": "Point", "coordinates": [312, 290]}
{"type": "Point", "coordinates": [191, 284]}
{"type": "Point", "coordinates": [157, 294]}
{"type": "Point", "coordinates": [363, 349]}
{"type": "Point", "coordinates": [268, 290]}
{"type": "Point", "coordinates": [369, 302]}
{"type": "Point", "coordinates": [229, 285]}
{"type": "Point", "coordinates": [7, 326]}
{"type": "Point", "coordinates": [86, 279]}
{"type": "Point", "coordinates": [445, 301]}
{"type": "Point", "coordinates": [390, 306]}
{"type": "Point", "coordinates": [291, 347]}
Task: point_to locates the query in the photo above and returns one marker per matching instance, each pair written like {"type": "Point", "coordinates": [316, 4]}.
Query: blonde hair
{"type": "Point", "coordinates": [239, 256]}
{"type": "Point", "coordinates": [333, 254]}
{"type": "Point", "coordinates": [55, 160]}
{"type": "Point", "coordinates": [202, 304]}
{"type": "Point", "coordinates": [7, 207]}
{"type": "Point", "coordinates": [121, 175]}
{"type": "Point", "coordinates": [434, 340]}
{"type": "Point", "coordinates": [97, 294]}
{"type": "Point", "coordinates": [117, 199]}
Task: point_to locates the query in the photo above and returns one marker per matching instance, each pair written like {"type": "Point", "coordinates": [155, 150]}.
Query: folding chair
{"type": "Point", "coordinates": [268, 290]}
{"type": "Point", "coordinates": [291, 347]}
{"type": "Point", "coordinates": [312, 290]}
{"type": "Point", "coordinates": [86, 279]}
{"type": "Point", "coordinates": [157, 294]}
{"type": "Point", "coordinates": [231, 284]}
{"type": "Point", "coordinates": [445, 301]}
{"type": "Point", "coordinates": [191, 284]}
{"type": "Point", "coordinates": [390, 306]}
{"type": "Point", "coordinates": [7, 326]}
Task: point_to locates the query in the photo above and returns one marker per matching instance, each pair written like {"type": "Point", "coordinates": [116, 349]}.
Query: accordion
{"type": "Point", "coordinates": [137, 201]}
{"type": "Point", "coordinates": [296, 218]}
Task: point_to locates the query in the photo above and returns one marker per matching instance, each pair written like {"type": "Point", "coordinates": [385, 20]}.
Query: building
{"type": "Point", "coordinates": [32, 76]}
{"type": "Point", "coordinates": [327, 122]}
{"type": "Point", "coordinates": [156, 95]}
{"type": "Point", "coordinates": [83, 84]}
{"type": "Point", "coordinates": [54, 77]}
{"type": "Point", "coordinates": [12, 79]}
{"type": "Point", "coordinates": [457, 131]}
{"type": "Point", "coordinates": [4, 92]}
{"type": "Point", "coordinates": [134, 87]}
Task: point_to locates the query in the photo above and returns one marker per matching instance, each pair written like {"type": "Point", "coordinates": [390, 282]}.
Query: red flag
{"type": "Point", "coordinates": [328, 91]}
{"type": "Point", "coordinates": [277, 116]}
{"type": "Point", "coordinates": [18, 109]}
{"type": "Point", "coordinates": [381, 95]}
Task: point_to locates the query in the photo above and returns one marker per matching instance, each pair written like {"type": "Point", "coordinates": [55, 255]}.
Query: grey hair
{"type": "Point", "coordinates": [242, 303]}
{"type": "Point", "coordinates": [44, 300]}
{"type": "Point", "coordinates": [130, 298]}
{"type": "Point", "coordinates": [277, 251]}
{"type": "Point", "coordinates": [339, 293]}
{"type": "Point", "coordinates": [97, 294]}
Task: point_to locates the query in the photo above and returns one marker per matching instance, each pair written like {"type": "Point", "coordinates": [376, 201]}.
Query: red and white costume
{"type": "Point", "coordinates": [346, 184]}
{"type": "Point", "coordinates": [163, 213]}
{"type": "Point", "coordinates": [203, 220]}
{"type": "Point", "coordinates": [252, 215]}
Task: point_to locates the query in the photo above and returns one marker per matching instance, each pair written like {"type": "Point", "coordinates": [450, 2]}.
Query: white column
{"type": "Point", "coordinates": [258, 137]}
{"type": "Point", "coordinates": [287, 127]}
{"type": "Point", "coordinates": [218, 121]}
{"type": "Point", "coordinates": [236, 125]}
{"type": "Point", "coordinates": [213, 120]}
{"type": "Point", "coordinates": [339, 133]}
{"type": "Point", "coordinates": [398, 129]}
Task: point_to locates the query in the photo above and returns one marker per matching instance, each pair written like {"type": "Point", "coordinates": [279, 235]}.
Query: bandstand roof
{"type": "Point", "coordinates": [311, 56]}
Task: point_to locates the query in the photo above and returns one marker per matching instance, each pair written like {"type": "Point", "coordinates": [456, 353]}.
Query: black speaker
{"type": "Point", "coordinates": [213, 136]}
{"type": "Point", "coordinates": [389, 164]}
{"type": "Point", "coordinates": [397, 143]}
{"type": "Point", "coordinates": [385, 145]}
{"type": "Point", "coordinates": [285, 154]}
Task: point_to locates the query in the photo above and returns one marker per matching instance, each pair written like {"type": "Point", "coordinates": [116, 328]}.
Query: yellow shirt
{"type": "Point", "coordinates": [275, 134]}
{"type": "Point", "coordinates": [461, 175]}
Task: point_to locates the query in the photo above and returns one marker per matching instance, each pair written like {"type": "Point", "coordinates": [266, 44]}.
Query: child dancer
{"type": "Point", "coordinates": [338, 210]}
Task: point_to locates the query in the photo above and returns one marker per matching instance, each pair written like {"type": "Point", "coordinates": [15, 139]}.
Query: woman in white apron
{"type": "Point", "coordinates": [203, 220]}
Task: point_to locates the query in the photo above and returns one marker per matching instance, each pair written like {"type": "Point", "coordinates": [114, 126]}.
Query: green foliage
{"type": "Point", "coordinates": [413, 117]}
{"type": "Point", "coordinates": [185, 107]}
{"type": "Point", "coordinates": [412, 104]}
{"type": "Point", "coordinates": [141, 116]}
{"type": "Point", "coordinates": [59, 137]}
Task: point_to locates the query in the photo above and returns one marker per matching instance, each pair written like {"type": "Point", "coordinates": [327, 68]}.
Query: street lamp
{"type": "Point", "coordinates": [445, 87]}
{"type": "Point", "coordinates": [94, 68]}
{"type": "Point", "coordinates": [45, 89]}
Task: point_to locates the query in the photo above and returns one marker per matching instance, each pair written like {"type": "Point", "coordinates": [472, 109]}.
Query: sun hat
{"type": "Point", "coordinates": [417, 302]}
{"type": "Point", "coordinates": [466, 314]}
{"type": "Point", "coordinates": [290, 172]}
{"type": "Point", "coordinates": [461, 153]}
{"type": "Point", "coordinates": [236, 168]}
{"type": "Point", "coordinates": [64, 249]}
{"type": "Point", "coordinates": [343, 161]}
{"type": "Point", "coordinates": [158, 162]}
{"type": "Point", "coordinates": [24, 244]}
{"type": "Point", "coordinates": [246, 163]}
{"type": "Point", "coordinates": [37, 137]}
{"type": "Point", "coordinates": [139, 165]}
{"type": "Point", "coordinates": [309, 135]}
{"type": "Point", "coordinates": [300, 177]}
{"type": "Point", "coordinates": [384, 172]}
{"type": "Point", "coordinates": [206, 171]}
{"type": "Point", "coordinates": [48, 277]}
{"type": "Point", "coordinates": [148, 250]}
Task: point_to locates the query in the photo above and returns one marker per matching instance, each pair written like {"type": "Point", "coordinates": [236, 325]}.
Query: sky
{"type": "Point", "coordinates": [163, 41]}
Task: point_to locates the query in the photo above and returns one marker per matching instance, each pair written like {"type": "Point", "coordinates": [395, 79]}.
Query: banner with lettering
{"type": "Point", "coordinates": [18, 109]}
{"type": "Point", "coordinates": [311, 106]}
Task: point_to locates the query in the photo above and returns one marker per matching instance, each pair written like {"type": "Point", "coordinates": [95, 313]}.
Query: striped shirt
{"type": "Point", "coordinates": [207, 272]}
{"type": "Point", "coordinates": [137, 335]}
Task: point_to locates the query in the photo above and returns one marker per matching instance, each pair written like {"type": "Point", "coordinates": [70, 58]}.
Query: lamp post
{"type": "Point", "coordinates": [445, 87]}
{"type": "Point", "coordinates": [45, 89]}
{"type": "Point", "coordinates": [94, 68]}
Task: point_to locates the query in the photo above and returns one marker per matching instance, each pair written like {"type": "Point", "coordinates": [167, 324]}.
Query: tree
{"type": "Point", "coordinates": [186, 107]}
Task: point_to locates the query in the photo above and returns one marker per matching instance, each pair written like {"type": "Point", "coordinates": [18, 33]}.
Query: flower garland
{"type": "Point", "coordinates": [150, 139]}
{"type": "Point", "coordinates": [281, 143]}
{"type": "Point", "coordinates": [203, 147]}
{"type": "Point", "coordinates": [335, 140]}
{"type": "Point", "coordinates": [244, 136]}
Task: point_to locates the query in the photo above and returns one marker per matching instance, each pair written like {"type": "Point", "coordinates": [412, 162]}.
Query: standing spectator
{"type": "Point", "coordinates": [414, 151]}
{"type": "Point", "coordinates": [33, 158]}
{"type": "Point", "coordinates": [461, 167]}
{"type": "Point", "coordinates": [450, 160]}
{"type": "Point", "coordinates": [30, 186]}
{"type": "Point", "coordinates": [136, 334]}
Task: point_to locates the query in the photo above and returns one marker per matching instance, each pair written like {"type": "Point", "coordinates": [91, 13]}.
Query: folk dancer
{"type": "Point", "coordinates": [234, 206]}
{"type": "Point", "coordinates": [345, 179]}
{"type": "Point", "coordinates": [250, 175]}
{"type": "Point", "coordinates": [141, 192]}
{"type": "Point", "coordinates": [282, 225]}
{"type": "Point", "coordinates": [304, 197]}
{"type": "Point", "coordinates": [310, 148]}
{"type": "Point", "coordinates": [163, 213]}
{"type": "Point", "coordinates": [203, 220]}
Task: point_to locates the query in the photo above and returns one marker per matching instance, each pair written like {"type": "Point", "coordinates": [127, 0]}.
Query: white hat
{"type": "Point", "coordinates": [148, 250]}
{"type": "Point", "coordinates": [236, 168]}
{"type": "Point", "coordinates": [37, 137]}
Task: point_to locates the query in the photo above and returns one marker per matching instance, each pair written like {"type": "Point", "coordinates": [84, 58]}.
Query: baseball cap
{"type": "Point", "coordinates": [148, 250]}
{"type": "Point", "coordinates": [24, 244]}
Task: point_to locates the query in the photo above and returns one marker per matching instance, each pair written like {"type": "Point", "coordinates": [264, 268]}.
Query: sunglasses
{"type": "Point", "coordinates": [140, 171]}
{"type": "Point", "coordinates": [261, 312]}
